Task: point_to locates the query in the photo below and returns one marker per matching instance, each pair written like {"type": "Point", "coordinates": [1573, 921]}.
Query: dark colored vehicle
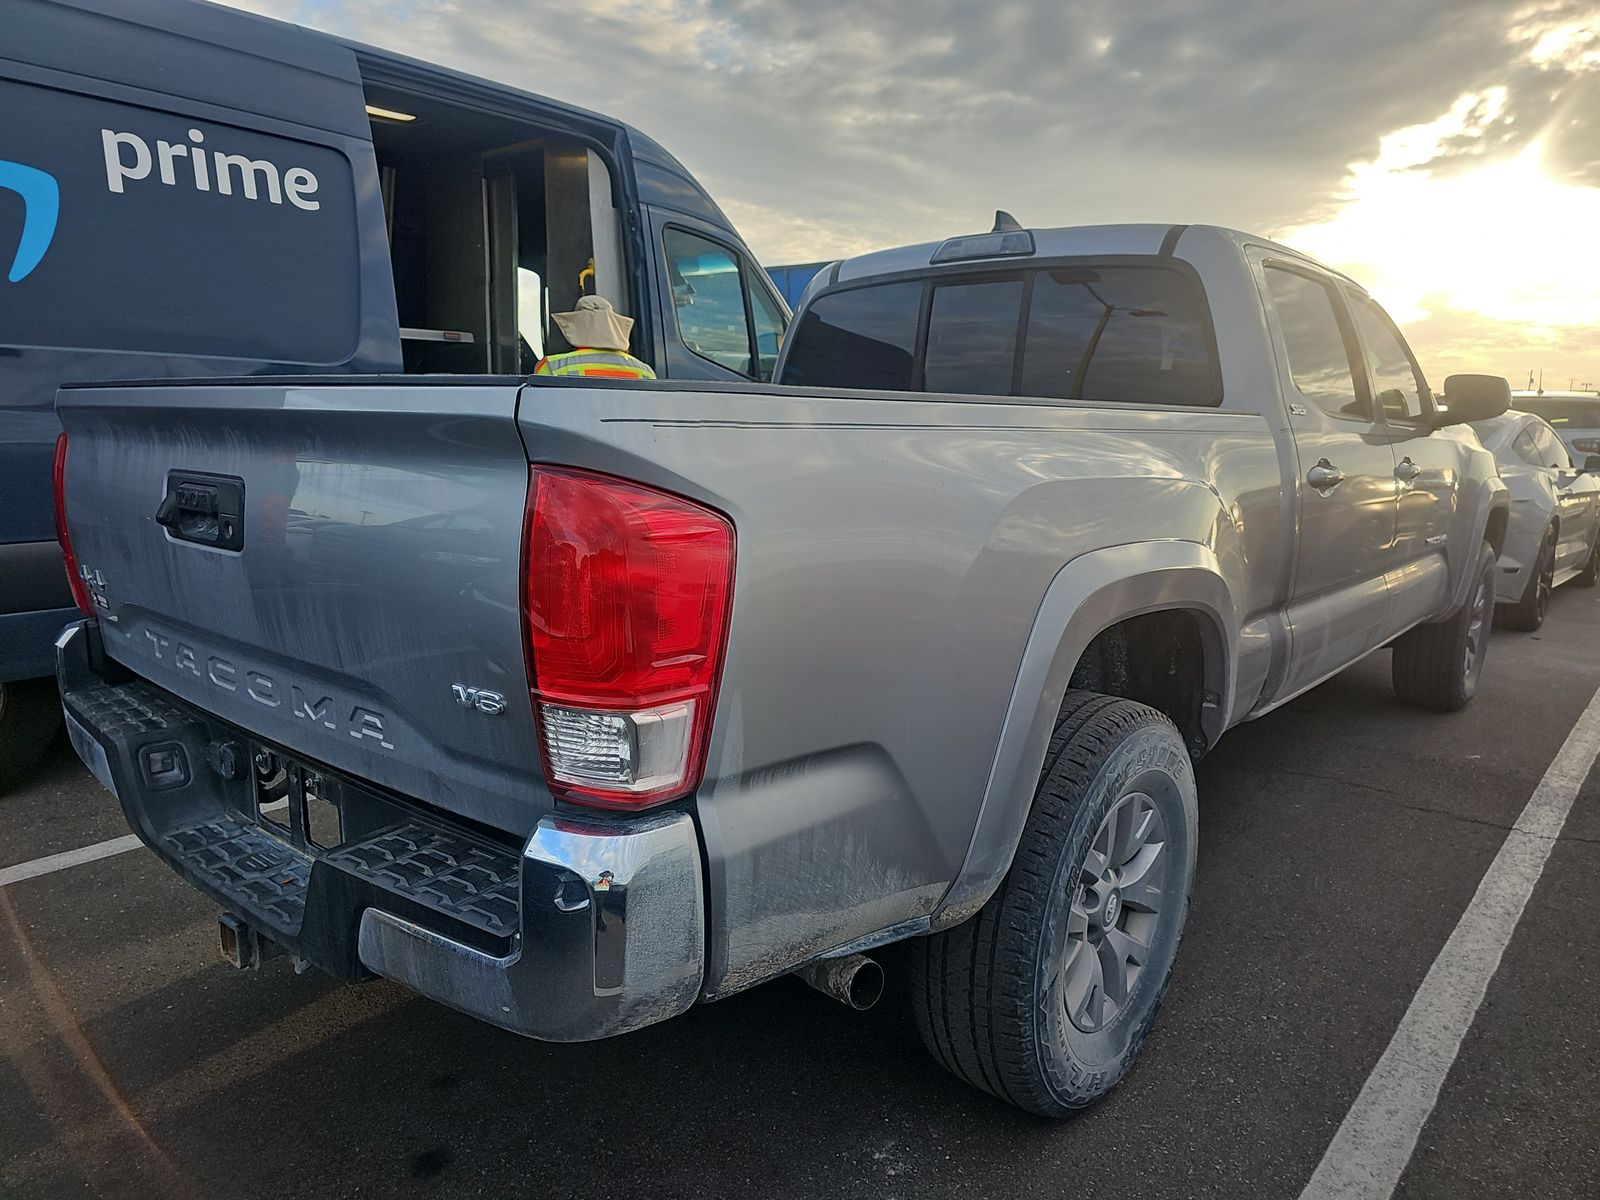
{"type": "Point", "coordinates": [191, 191]}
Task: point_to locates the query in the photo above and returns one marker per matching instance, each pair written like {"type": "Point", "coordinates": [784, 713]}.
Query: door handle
{"type": "Point", "coordinates": [1324, 476]}
{"type": "Point", "coordinates": [1407, 471]}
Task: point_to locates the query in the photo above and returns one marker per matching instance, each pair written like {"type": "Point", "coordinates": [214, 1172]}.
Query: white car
{"type": "Point", "coordinates": [1575, 416]}
{"type": "Point", "coordinates": [1554, 535]}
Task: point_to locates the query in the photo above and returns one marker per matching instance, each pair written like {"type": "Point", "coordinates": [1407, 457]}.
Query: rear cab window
{"type": "Point", "coordinates": [1110, 332]}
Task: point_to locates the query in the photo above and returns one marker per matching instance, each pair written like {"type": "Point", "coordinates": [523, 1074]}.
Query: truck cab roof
{"type": "Point", "coordinates": [1069, 241]}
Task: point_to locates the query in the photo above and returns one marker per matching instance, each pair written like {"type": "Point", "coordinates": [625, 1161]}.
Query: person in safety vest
{"type": "Point", "coordinates": [600, 337]}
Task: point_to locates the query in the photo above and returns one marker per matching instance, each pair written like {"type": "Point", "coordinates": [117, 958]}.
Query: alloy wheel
{"type": "Point", "coordinates": [1478, 631]}
{"type": "Point", "coordinates": [1116, 907]}
{"type": "Point", "coordinates": [1547, 574]}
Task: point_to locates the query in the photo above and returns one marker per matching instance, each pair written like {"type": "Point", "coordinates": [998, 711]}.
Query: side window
{"type": "Point", "coordinates": [770, 322]}
{"type": "Point", "coordinates": [862, 338]}
{"type": "Point", "coordinates": [708, 297]}
{"type": "Point", "coordinates": [1394, 378]}
{"type": "Point", "coordinates": [716, 303]}
{"type": "Point", "coordinates": [1527, 449]}
{"type": "Point", "coordinates": [1128, 334]}
{"type": "Point", "coordinates": [1551, 452]}
{"type": "Point", "coordinates": [972, 337]}
{"type": "Point", "coordinates": [1318, 361]}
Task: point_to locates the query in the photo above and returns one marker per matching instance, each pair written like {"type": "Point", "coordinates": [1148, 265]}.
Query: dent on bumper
{"type": "Point", "coordinates": [613, 935]}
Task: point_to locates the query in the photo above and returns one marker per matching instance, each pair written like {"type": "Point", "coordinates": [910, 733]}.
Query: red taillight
{"type": "Point", "coordinates": [80, 594]}
{"type": "Point", "coordinates": [626, 611]}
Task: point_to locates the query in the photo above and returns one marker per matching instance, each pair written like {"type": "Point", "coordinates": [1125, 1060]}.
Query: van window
{"type": "Point", "coordinates": [972, 337]}
{"type": "Point", "coordinates": [861, 338]}
{"type": "Point", "coordinates": [1394, 379]}
{"type": "Point", "coordinates": [770, 323]}
{"type": "Point", "coordinates": [709, 300]}
{"type": "Point", "coordinates": [1319, 364]}
{"type": "Point", "coordinates": [1128, 334]}
{"type": "Point", "coordinates": [715, 296]}
{"type": "Point", "coordinates": [177, 235]}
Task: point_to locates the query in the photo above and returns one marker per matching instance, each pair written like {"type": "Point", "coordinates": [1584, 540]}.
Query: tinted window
{"type": "Point", "coordinates": [1550, 450]}
{"type": "Point", "coordinates": [145, 237]}
{"type": "Point", "coordinates": [1318, 361]}
{"type": "Point", "coordinates": [1118, 333]}
{"type": "Point", "coordinates": [708, 296]}
{"type": "Point", "coordinates": [1526, 448]}
{"type": "Point", "coordinates": [972, 337]}
{"type": "Point", "coordinates": [1394, 379]}
{"type": "Point", "coordinates": [863, 338]}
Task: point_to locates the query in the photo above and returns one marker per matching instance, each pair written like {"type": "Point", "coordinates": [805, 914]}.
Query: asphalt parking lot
{"type": "Point", "coordinates": [1342, 838]}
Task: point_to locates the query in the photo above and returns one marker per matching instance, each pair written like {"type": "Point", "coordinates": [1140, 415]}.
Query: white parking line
{"type": "Point", "coordinates": [67, 858]}
{"type": "Point", "coordinates": [1379, 1134]}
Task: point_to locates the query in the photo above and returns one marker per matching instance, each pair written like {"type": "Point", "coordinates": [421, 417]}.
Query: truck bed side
{"type": "Point", "coordinates": [894, 553]}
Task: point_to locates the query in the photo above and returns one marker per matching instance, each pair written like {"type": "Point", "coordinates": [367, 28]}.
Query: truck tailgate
{"type": "Point", "coordinates": [335, 568]}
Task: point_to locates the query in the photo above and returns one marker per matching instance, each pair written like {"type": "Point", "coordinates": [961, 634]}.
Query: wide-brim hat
{"type": "Point", "coordinates": [594, 325]}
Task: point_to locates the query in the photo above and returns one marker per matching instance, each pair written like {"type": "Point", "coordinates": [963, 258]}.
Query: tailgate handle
{"type": "Point", "coordinates": [205, 509]}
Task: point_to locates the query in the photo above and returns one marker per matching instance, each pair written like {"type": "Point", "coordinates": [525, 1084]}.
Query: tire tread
{"type": "Point", "coordinates": [974, 1003]}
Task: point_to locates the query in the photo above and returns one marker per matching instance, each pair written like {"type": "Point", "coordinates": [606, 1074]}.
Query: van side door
{"type": "Point", "coordinates": [720, 315]}
{"type": "Point", "coordinates": [1427, 468]}
{"type": "Point", "coordinates": [1346, 484]}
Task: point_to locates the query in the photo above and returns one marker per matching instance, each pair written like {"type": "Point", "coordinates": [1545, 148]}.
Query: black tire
{"type": "Point", "coordinates": [1591, 567]}
{"type": "Point", "coordinates": [991, 994]}
{"type": "Point", "coordinates": [1528, 613]}
{"type": "Point", "coordinates": [30, 714]}
{"type": "Point", "coordinates": [1438, 665]}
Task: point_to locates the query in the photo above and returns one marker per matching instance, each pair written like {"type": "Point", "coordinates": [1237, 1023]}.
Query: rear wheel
{"type": "Point", "coordinates": [1046, 996]}
{"type": "Point", "coordinates": [1591, 566]}
{"type": "Point", "coordinates": [1528, 613]}
{"type": "Point", "coordinates": [1438, 665]}
{"type": "Point", "coordinates": [30, 713]}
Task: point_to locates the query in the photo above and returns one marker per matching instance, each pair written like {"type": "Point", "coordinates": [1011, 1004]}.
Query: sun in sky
{"type": "Point", "coordinates": [1492, 267]}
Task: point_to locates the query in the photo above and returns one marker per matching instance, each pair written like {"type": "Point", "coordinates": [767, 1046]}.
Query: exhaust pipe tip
{"type": "Point", "coordinates": [855, 980]}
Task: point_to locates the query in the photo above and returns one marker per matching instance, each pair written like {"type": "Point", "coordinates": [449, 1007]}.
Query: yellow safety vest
{"type": "Point", "coordinates": [596, 364]}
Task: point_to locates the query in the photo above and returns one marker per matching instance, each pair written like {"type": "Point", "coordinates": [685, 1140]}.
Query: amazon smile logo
{"type": "Point", "coordinates": [41, 205]}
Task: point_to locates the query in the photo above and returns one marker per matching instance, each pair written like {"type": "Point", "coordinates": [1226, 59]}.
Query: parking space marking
{"type": "Point", "coordinates": [1379, 1134]}
{"type": "Point", "coordinates": [67, 858]}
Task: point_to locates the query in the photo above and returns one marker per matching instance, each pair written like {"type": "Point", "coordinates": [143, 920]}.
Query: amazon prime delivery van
{"type": "Point", "coordinates": [188, 190]}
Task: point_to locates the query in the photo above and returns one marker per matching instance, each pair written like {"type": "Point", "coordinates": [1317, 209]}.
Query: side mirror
{"type": "Point", "coordinates": [1474, 398]}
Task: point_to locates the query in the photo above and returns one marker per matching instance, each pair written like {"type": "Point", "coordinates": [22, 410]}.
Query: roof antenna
{"type": "Point", "coordinates": [1004, 222]}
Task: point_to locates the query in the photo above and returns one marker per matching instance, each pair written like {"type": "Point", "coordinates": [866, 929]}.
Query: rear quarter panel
{"type": "Point", "coordinates": [892, 557]}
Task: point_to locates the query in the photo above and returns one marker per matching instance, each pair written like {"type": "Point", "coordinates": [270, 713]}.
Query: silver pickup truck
{"type": "Point", "coordinates": [571, 703]}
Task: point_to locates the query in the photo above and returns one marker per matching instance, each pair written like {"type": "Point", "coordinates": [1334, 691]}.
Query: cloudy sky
{"type": "Point", "coordinates": [1444, 152]}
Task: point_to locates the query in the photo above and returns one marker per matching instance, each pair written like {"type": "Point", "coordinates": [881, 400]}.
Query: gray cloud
{"type": "Point", "coordinates": [883, 121]}
{"type": "Point", "coordinates": [829, 127]}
